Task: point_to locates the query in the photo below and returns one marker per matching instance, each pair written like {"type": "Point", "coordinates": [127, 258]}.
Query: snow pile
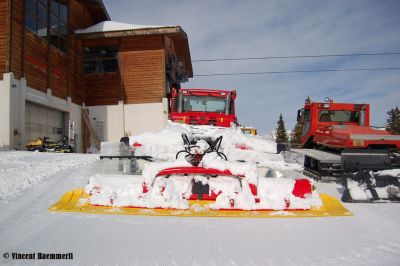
{"type": "Point", "coordinates": [250, 160]}
{"type": "Point", "coordinates": [360, 191]}
{"type": "Point", "coordinates": [235, 145]}
{"type": "Point", "coordinates": [151, 191]}
{"type": "Point", "coordinates": [20, 170]}
{"type": "Point", "coordinates": [106, 26]}
{"type": "Point", "coordinates": [211, 160]}
{"type": "Point", "coordinates": [140, 190]}
{"type": "Point", "coordinates": [266, 160]}
{"type": "Point", "coordinates": [164, 144]}
{"type": "Point", "coordinates": [119, 191]}
{"type": "Point", "coordinates": [273, 190]}
{"type": "Point", "coordinates": [248, 148]}
{"type": "Point", "coordinates": [234, 138]}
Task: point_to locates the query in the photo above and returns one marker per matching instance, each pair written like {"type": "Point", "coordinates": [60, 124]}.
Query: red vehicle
{"type": "Point", "coordinates": [340, 145]}
{"type": "Point", "coordinates": [343, 125]}
{"type": "Point", "coordinates": [203, 107]}
{"type": "Point", "coordinates": [338, 137]}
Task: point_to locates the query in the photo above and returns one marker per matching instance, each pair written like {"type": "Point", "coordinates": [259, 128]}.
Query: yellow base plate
{"type": "Point", "coordinates": [78, 201]}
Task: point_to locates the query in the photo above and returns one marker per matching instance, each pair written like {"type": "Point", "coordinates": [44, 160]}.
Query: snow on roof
{"type": "Point", "coordinates": [106, 26]}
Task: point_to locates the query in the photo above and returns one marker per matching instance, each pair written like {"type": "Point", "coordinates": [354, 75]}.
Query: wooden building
{"type": "Point", "coordinates": [57, 56]}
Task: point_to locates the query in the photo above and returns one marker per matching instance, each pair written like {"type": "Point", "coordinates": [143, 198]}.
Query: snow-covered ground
{"type": "Point", "coordinates": [31, 182]}
{"type": "Point", "coordinates": [20, 170]}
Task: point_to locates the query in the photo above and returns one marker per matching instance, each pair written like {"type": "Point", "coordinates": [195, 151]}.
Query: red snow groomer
{"type": "Point", "coordinates": [203, 107]}
{"type": "Point", "coordinates": [201, 182]}
{"type": "Point", "coordinates": [338, 140]}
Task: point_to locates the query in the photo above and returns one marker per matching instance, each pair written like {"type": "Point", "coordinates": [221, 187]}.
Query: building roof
{"type": "Point", "coordinates": [97, 9]}
{"type": "Point", "coordinates": [109, 26]}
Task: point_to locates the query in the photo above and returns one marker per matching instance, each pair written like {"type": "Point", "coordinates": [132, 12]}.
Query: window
{"type": "Point", "coordinates": [339, 116]}
{"type": "Point", "coordinates": [58, 24]}
{"type": "Point", "coordinates": [36, 16]}
{"type": "Point", "coordinates": [306, 121]}
{"type": "Point", "coordinates": [204, 104]}
{"type": "Point", "coordinates": [37, 19]}
{"type": "Point", "coordinates": [101, 59]}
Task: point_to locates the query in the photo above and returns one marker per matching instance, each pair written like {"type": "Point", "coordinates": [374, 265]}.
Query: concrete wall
{"type": "Point", "coordinates": [129, 118]}
{"type": "Point", "coordinates": [5, 113]}
{"type": "Point", "coordinates": [112, 117]}
{"type": "Point", "coordinates": [13, 96]}
{"type": "Point", "coordinates": [76, 116]}
{"type": "Point", "coordinates": [140, 118]}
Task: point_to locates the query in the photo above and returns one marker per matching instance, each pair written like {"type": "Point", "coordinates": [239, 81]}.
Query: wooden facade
{"type": "Point", "coordinates": [43, 65]}
{"type": "Point", "coordinates": [4, 27]}
{"type": "Point", "coordinates": [144, 57]}
{"type": "Point", "coordinates": [141, 75]}
{"type": "Point", "coordinates": [143, 65]}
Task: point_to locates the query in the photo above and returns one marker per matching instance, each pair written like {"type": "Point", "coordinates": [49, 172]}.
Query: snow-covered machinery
{"type": "Point", "coordinates": [195, 179]}
{"type": "Point", "coordinates": [340, 145]}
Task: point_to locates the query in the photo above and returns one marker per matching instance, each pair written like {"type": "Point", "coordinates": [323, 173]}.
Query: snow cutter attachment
{"type": "Point", "coordinates": [364, 186]}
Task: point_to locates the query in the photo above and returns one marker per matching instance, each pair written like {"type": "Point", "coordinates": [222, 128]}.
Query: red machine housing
{"type": "Point", "coordinates": [203, 107]}
{"type": "Point", "coordinates": [343, 126]}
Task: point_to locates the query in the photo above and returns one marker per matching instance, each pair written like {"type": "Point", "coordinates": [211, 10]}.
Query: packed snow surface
{"type": "Point", "coordinates": [370, 237]}
{"type": "Point", "coordinates": [106, 26]}
{"type": "Point", "coordinates": [20, 170]}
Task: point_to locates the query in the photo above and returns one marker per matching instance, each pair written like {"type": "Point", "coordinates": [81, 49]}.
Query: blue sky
{"type": "Point", "coordinates": [231, 29]}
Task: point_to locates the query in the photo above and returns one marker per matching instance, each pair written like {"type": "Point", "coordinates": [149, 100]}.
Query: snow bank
{"type": "Point", "coordinates": [20, 170]}
{"type": "Point", "coordinates": [164, 143]}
